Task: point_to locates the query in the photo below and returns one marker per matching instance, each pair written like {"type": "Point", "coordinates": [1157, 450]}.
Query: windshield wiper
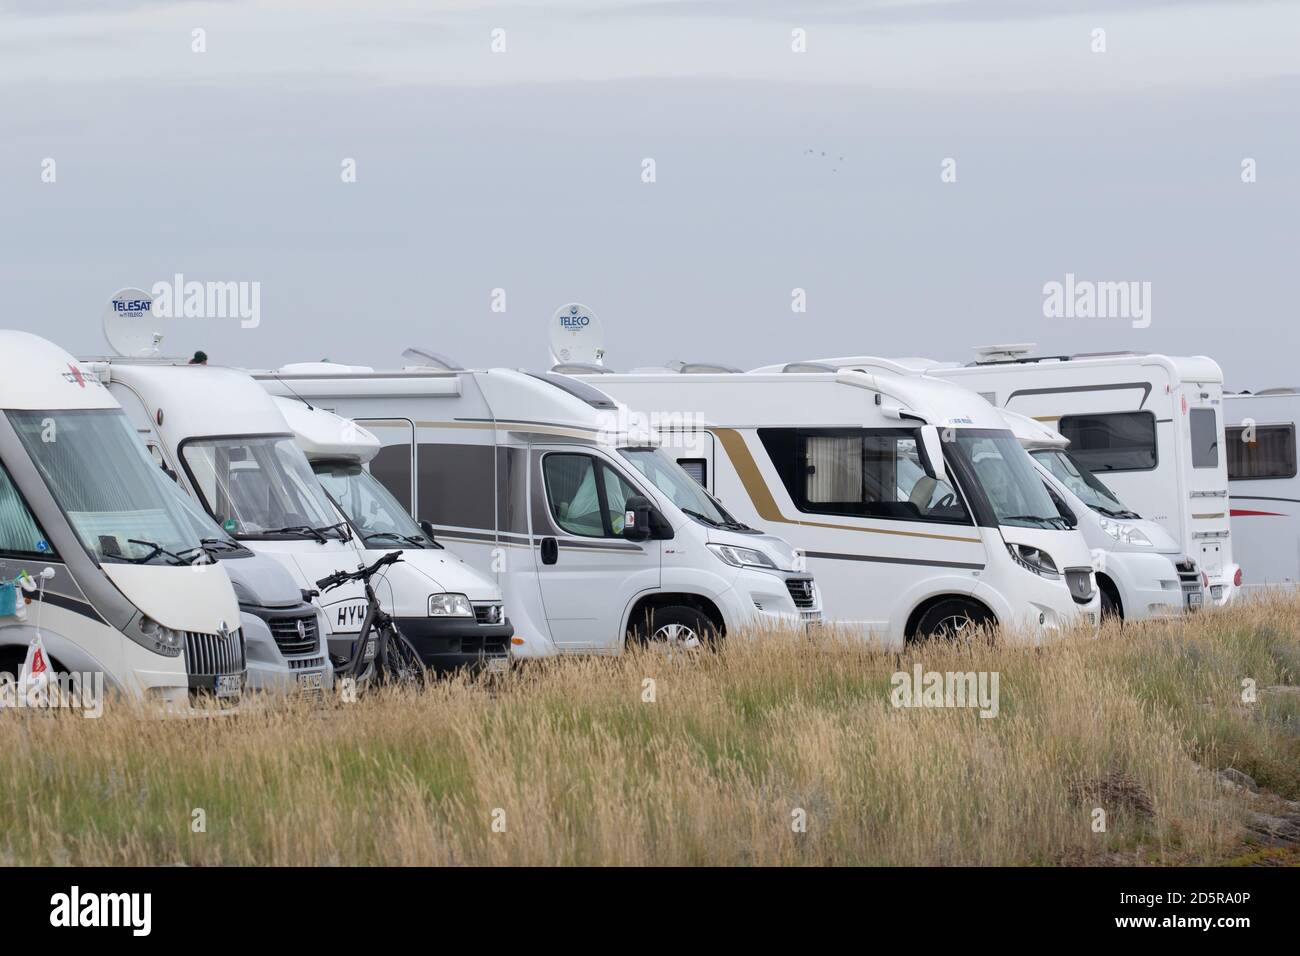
{"type": "Point", "coordinates": [1049, 522]}
{"type": "Point", "coordinates": [408, 538]}
{"type": "Point", "coordinates": [699, 517]}
{"type": "Point", "coordinates": [1122, 513]}
{"type": "Point", "coordinates": [155, 549]}
{"type": "Point", "coordinates": [302, 529]}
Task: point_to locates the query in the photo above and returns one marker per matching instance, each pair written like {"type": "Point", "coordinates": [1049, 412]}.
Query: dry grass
{"type": "Point", "coordinates": [585, 772]}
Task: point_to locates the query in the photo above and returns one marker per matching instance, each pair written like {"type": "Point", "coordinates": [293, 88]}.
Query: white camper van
{"type": "Point", "coordinates": [1263, 484]}
{"type": "Point", "coordinates": [1143, 572]}
{"type": "Point", "coordinates": [592, 533]}
{"type": "Point", "coordinates": [232, 449]}
{"type": "Point", "coordinates": [1151, 425]}
{"type": "Point", "coordinates": [908, 535]}
{"type": "Point", "coordinates": [131, 596]}
{"type": "Point", "coordinates": [452, 614]}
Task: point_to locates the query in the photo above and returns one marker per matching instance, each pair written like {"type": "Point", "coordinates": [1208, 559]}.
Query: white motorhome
{"type": "Point", "coordinates": [593, 534]}
{"type": "Point", "coordinates": [1143, 572]}
{"type": "Point", "coordinates": [231, 448]}
{"type": "Point", "coordinates": [131, 596]}
{"type": "Point", "coordinates": [917, 510]}
{"type": "Point", "coordinates": [1264, 490]}
{"type": "Point", "coordinates": [1149, 424]}
{"type": "Point", "coordinates": [470, 628]}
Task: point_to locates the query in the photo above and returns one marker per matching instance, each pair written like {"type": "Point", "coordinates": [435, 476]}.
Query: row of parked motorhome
{"type": "Point", "coordinates": [187, 511]}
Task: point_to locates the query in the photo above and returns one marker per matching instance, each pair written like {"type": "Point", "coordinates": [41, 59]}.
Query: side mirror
{"type": "Point", "coordinates": [643, 521]}
{"type": "Point", "coordinates": [932, 453]}
{"type": "Point", "coordinates": [427, 528]}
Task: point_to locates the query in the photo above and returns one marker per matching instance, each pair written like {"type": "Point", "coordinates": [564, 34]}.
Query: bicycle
{"type": "Point", "coordinates": [387, 657]}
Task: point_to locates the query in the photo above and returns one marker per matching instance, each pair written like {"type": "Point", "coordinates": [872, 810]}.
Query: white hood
{"type": "Point", "coordinates": [193, 598]}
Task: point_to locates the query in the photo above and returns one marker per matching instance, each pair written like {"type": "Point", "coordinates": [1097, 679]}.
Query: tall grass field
{"type": "Point", "coordinates": [1164, 743]}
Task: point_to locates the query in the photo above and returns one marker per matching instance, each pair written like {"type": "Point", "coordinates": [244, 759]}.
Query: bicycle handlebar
{"type": "Point", "coordinates": [332, 581]}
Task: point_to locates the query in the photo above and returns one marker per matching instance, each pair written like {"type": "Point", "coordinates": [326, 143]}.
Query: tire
{"type": "Point", "coordinates": [1110, 606]}
{"type": "Point", "coordinates": [952, 619]}
{"type": "Point", "coordinates": [675, 629]}
{"type": "Point", "coordinates": [402, 664]}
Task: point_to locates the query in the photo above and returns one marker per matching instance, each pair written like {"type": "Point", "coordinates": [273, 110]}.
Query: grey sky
{"type": "Point", "coordinates": [522, 170]}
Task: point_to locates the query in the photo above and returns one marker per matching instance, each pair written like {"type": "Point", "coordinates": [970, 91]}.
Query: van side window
{"type": "Point", "coordinates": [697, 468]}
{"type": "Point", "coordinates": [19, 533]}
{"type": "Point", "coordinates": [586, 497]}
{"type": "Point", "coordinates": [1117, 441]}
{"type": "Point", "coordinates": [1270, 455]}
{"type": "Point", "coordinates": [1204, 425]}
{"type": "Point", "coordinates": [867, 473]}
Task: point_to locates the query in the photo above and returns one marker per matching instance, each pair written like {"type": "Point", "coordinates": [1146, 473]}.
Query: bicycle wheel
{"type": "Point", "coordinates": [401, 661]}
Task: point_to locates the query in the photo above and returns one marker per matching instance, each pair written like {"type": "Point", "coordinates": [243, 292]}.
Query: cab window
{"type": "Point", "coordinates": [586, 497]}
{"type": "Point", "coordinates": [19, 533]}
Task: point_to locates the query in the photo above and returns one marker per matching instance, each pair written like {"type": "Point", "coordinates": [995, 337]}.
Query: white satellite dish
{"type": "Point", "coordinates": [132, 329]}
{"type": "Point", "coordinates": [577, 336]}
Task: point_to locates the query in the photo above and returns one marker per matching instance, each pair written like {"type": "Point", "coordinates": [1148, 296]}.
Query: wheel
{"type": "Point", "coordinates": [676, 629]}
{"type": "Point", "coordinates": [1110, 606]}
{"type": "Point", "coordinates": [402, 664]}
{"type": "Point", "coordinates": [953, 619]}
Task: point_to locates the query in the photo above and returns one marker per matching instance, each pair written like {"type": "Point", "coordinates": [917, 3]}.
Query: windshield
{"type": "Point", "coordinates": [371, 508]}
{"type": "Point", "coordinates": [685, 492]}
{"type": "Point", "coordinates": [119, 503]}
{"type": "Point", "coordinates": [1083, 483]}
{"type": "Point", "coordinates": [1007, 476]}
{"type": "Point", "coordinates": [261, 486]}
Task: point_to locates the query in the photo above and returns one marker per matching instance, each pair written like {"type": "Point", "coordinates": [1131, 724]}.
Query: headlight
{"type": "Point", "coordinates": [1125, 533]}
{"type": "Point", "coordinates": [742, 557]}
{"type": "Point", "coordinates": [450, 605]}
{"type": "Point", "coordinates": [1032, 559]}
{"type": "Point", "coordinates": [170, 639]}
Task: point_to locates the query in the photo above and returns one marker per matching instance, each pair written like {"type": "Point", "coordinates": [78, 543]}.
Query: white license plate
{"type": "Point", "coordinates": [229, 685]}
{"type": "Point", "coordinates": [372, 647]}
{"type": "Point", "coordinates": [1195, 598]}
{"type": "Point", "coordinates": [498, 665]}
{"type": "Point", "coordinates": [313, 681]}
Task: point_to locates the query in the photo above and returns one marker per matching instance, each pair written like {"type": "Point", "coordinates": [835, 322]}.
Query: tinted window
{"type": "Point", "coordinates": [1204, 424]}
{"type": "Point", "coordinates": [876, 474]}
{"type": "Point", "coordinates": [1270, 455]}
{"type": "Point", "coordinates": [1120, 441]}
{"type": "Point", "coordinates": [697, 468]}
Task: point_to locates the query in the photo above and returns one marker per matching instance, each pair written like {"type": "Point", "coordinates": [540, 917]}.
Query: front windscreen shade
{"type": "Point", "coordinates": [1263, 451]}
{"type": "Point", "coordinates": [1119, 441]}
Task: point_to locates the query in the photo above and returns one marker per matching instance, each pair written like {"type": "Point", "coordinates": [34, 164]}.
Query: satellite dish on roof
{"type": "Point", "coordinates": [130, 326]}
{"type": "Point", "coordinates": [577, 336]}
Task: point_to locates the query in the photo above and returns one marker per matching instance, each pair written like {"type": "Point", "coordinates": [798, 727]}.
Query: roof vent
{"type": "Point", "coordinates": [808, 367]}
{"type": "Point", "coordinates": [581, 368]}
{"type": "Point", "coordinates": [703, 368]}
{"type": "Point", "coordinates": [425, 357]}
{"type": "Point", "coordinates": [989, 354]}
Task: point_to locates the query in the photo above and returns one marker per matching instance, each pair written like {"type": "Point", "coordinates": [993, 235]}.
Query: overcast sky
{"type": "Point", "coordinates": [522, 170]}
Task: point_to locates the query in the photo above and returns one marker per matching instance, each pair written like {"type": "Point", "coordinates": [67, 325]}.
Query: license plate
{"type": "Point", "coordinates": [372, 647]}
{"type": "Point", "coordinates": [229, 685]}
{"type": "Point", "coordinates": [497, 665]}
{"type": "Point", "coordinates": [1194, 598]}
{"type": "Point", "coordinates": [1216, 591]}
{"type": "Point", "coordinates": [314, 681]}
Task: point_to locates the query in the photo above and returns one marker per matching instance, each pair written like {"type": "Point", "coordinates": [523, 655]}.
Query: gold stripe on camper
{"type": "Point", "coordinates": [734, 445]}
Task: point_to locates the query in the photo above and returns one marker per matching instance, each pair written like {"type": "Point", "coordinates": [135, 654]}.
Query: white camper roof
{"type": "Point", "coordinates": [1032, 433]}
{"type": "Point", "coordinates": [1180, 368]}
{"type": "Point", "coordinates": [36, 374]}
{"type": "Point", "coordinates": [323, 434]}
{"type": "Point", "coordinates": [199, 400]}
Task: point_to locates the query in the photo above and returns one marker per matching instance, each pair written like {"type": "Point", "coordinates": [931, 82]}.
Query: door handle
{"type": "Point", "coordinates": [550, 551]}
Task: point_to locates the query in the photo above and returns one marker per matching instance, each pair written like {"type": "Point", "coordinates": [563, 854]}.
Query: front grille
{"type": "Point", "coordinates": [306, 663]}
{"type": "Point", "coordinates": [489, 614]}
{"type": "Point", "coordinates": [213, 655]}
{"type": "Point", "coordinates": [295, 635]}
{"type": "Point", "coordinates": [803, 592]}
{"type": "Point", "coordinates": [1079, 581]}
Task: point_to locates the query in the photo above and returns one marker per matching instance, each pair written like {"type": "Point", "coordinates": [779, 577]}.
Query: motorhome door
{"type": "Point", "coordinates": [588, 572]}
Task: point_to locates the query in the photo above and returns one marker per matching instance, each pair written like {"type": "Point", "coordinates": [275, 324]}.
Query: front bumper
{"type": "Point", "coordinates": [448, 643]}
{"type": "Point", "coordinates": [774, 599]}
{"type": "Point", "coordinates": [270, 669]}
{"type": "Point", "coordinates": [1149, 584]}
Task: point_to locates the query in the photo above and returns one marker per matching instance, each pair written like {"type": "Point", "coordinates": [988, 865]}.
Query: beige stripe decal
{"type": "Point", "coordinates": [766, 505]}
{"type": "Point", "coordinates": [1208, 517]}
